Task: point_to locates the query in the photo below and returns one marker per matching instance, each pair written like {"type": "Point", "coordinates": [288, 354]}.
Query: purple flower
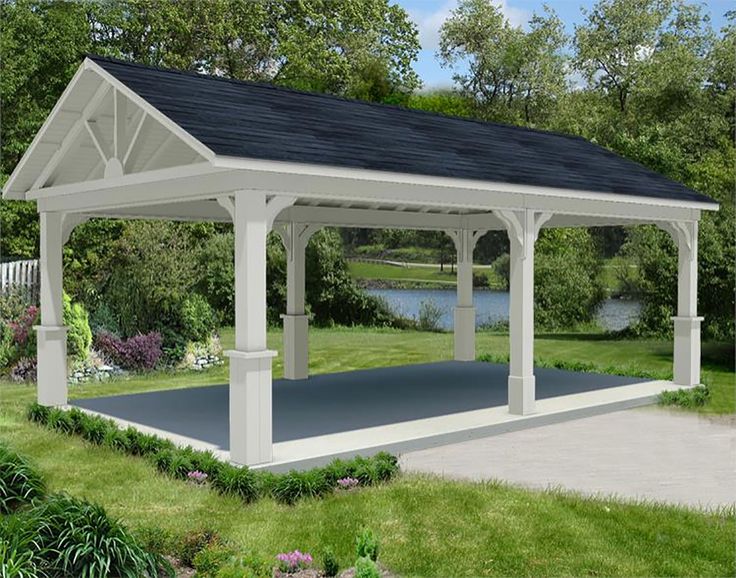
{"type": "Point", "coordinates": [347, 483]}
{"type": "Point", "coordinates": [293, 561]}
{"type": "Point", "coordinates": [197, 476]}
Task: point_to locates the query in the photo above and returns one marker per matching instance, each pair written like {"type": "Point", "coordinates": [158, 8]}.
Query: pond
{"type": "Point", "coordinates": [493, 306]}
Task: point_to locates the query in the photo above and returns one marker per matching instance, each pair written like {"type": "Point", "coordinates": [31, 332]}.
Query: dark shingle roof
{"type": "Point", "coordinates": [260, 121]}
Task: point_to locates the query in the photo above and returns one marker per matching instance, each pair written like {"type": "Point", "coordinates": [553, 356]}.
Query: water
{"type": "Point", "coordinates": [492, 306]}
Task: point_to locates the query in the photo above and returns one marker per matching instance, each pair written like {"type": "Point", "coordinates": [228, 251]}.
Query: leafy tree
{"type": "Point", "coordinates": [641, 46]}
{"type": "Point", "coordinates": [512, 74]}
{"type": "Point", "coordinates": [568, 290]}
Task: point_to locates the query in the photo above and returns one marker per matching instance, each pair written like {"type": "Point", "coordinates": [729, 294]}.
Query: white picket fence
{"type": "Point", "coordinates": [22, 275]}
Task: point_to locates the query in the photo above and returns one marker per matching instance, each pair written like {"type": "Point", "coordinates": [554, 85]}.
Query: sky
{"type": "Point", "coordinates": [430, 14]}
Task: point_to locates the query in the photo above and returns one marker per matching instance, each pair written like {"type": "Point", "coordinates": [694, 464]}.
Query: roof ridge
{"type": "Point", "coordinates": [329, 96]}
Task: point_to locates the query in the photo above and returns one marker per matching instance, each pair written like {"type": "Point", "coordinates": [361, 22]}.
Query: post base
{"type": "Point", "coordinates": [296, 346]}
{"type": "Point", "coordinates": [251, 429]}
{"type": "Point", "coordinates": [522, 391]}
{"type": "Point", "coordinates": [51, 371]}
{"type": "Point", "coordinates": [686, 357]}
{"type": "Point", "coordinates": [464, 333]}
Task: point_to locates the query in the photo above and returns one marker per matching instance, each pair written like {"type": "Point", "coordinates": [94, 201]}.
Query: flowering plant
{"type": "Point", "coordinates": [197, 476]}
{"type": "Point", "coordinates": [293, 561]}
{"type": "Point", "coordinates": [347, 483]}
{"type": "Point", "coordinates": [22, 327]}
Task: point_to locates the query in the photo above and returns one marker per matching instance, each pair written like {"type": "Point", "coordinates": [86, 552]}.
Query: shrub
{"type": "Point", "coordinates": [77, 538]}
{"type": "Point", "coordinates": [8, 349]}
{"type": "Point", "coordinates": [296, 485]}
{"type": "Point", "coordinates": [20, 482]}
{"type": "Point", "coordinates": [155, 540]}
{"type": "Point", "coordinates": [567, 283]}
{"type": "Point", "coordinates": [236, 481]}
{"type": "Point", "coordinates": [208, 561]}
{"type": "Point", "coordinates": [225, 478]}
{"type": "Point", "coordinates": [24, 337]}
{"type": "Point", "coordinates": [137, 353]}
{"type": "Point", "coordinates": [194, 542]}
{"type": "Point", "coordinates": [246, 567]}
{"type": "Point", "coordinates": [17, 556]}
{"type": "Point", "coordinates": [198, 320]}
{"type": "Point", "coordinates": [61, 421]}
{"type": "Point", "coordinates": [696, 396]}
{"type": "Point", "coordinates": [38, 413]}
{"type": "Point", "coordinates": [366, 545]}
{"type": "Point", "coordinates": [115, 439]}
{"type": "Point", "coordinates": [386, 466]}
{"type": "Point", "coordinates": [94, 428]}
{"type": "Point", "coordinates": [430, 315]}
{"type": "Point", "coordinates": [330, 567]}
{"type": "Point", "coordinates": [502, 268]}
{"type": "Point", "coordinates": [366, 568]}
{"type": "Point", "coordinates": [79, 333]}
{"type": "Point", "coordinates": [25, 370]}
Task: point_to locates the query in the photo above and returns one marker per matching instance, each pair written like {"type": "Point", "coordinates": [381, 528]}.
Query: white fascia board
{"type": "Point", "coordinates": [449, 182]}
{"type": "Point", "coordinates": [8, 192]}
{"type": "Point", "coordinates": [203, 181]}
{"type": "Point", "coordinates": [152, 111]}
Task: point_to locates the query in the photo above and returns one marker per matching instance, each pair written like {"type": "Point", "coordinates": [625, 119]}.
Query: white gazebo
{"type": "Point", "coordinates": [129, 141]}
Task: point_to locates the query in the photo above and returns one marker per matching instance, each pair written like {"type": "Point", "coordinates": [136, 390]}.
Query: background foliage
{"type": "Point", "coordinates": [650, 80]}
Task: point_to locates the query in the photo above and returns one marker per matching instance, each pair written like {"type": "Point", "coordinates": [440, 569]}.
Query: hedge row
{"type": "Point", "coordinates": [188, 463]}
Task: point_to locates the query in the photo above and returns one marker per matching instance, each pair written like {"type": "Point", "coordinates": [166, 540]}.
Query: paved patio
{"type": "Point", "coordinates": [646, 453]}
{"type": "Point", "coordinates": [404, 403]}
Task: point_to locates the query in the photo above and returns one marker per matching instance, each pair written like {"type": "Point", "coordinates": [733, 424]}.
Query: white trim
{"type": "Point", "coordinates": [142, 103]}
{"type": "Point", "coordinates": [450, 182]}
{"type": "Point", "coordinates": [58, 107]}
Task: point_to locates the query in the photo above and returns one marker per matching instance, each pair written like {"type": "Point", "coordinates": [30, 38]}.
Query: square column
{"type": "Point", "coordinates": [523, 227]}
{"type": "Point", "coordinates": [51, 334]}
{"type": "Point", "coordinates": [250, 362]}
{"type": "Point", "coordinates": [686, 358]}
{"type": "Point", "coordinates": [295, 237]}
{"type": "Point", "coordinates": [464, 312]}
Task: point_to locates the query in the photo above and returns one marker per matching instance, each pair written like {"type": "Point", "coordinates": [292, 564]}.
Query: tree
{"type": "Point", "coordinates": [649, 46]}
{"type": "Point", "coordinates": [361, 48]}
{"type": "Point", "coordinates": [512, 74]}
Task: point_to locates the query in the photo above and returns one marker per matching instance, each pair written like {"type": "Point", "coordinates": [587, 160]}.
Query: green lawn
{"type": "Point", "coordinates": [409, 275]}
{"type": "Point", "coordinates": [429, 527]}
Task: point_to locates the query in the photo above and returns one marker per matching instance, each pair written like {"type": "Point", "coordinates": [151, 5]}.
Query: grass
{"type": "Point", "coordinates": [410, 276]}
{"type": "Point", "coordinates": [427, 526]}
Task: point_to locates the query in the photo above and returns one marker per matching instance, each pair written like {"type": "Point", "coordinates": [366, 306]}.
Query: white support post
{"type": "Point", "coordinates": [523, 227]}
{"type": "Point", "coordinates": [250, 362]}
{"type": "Point", "coordinates": [464, 313]}
{"type": "Point", "coordinates": [51, 333]}
{"type": "Point", "coordinates": [295, 237]}
{"type": "Point", "coordinates": [686, 362]}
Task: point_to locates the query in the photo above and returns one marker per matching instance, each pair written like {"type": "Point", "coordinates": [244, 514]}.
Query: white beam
{"type": "Point", "coordinates": [97, 139]}
{"type": "Point", "coordinates": [124, 192]}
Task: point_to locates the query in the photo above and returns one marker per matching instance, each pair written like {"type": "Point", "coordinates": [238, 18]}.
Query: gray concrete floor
{"type": "Point", "coordinates": [647, 453]}
{"type": "Point", "coordinates": [337, 402]}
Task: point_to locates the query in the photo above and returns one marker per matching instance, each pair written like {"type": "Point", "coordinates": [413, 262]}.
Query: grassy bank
{"type": "Point", "coordinates": [413, 275]}
{"type": "Point", "coordinates": [428, 526]}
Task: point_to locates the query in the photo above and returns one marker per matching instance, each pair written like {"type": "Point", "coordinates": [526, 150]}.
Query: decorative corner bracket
{"type": "Point", "coordinates": [274, 206]}
{"type": "Point", "coordinates": [523, 226]}
{"type": "Point", "coordinates": [465, 241]}
{"type": "Point", "coordinates": [294, 236]}
{"type": "Point", "coordinates": [683, 233]}
{"type": "Point", "coordinates": [68, 222]}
